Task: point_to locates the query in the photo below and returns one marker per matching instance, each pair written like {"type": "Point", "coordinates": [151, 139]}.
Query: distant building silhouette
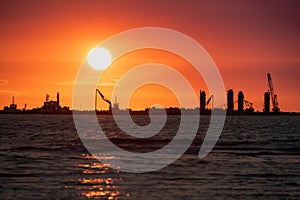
{"type": "Point", "coordinates": [267, 102]}
{"type": "Point", "coordinates": [230, 101]}
{"type": "Point", "coordinates": [12, 107]}
{"type": "Point", "coordinates": [53, 106]}
{"type": "Point", "coordinates": [202, 100]}
{"type": "Point", "coordinates": [241, 101]}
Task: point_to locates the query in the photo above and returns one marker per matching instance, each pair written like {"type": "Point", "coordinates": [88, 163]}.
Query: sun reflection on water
{"type": "Point", "coordinates": [99, 181]}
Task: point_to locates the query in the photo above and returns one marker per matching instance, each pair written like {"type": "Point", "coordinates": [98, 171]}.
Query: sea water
{"type": "Point", "coordinates": [256, 157]}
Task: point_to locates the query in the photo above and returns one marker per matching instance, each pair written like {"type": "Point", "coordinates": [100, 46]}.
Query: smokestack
{"type": "Point", "coordinates": [57, 98]}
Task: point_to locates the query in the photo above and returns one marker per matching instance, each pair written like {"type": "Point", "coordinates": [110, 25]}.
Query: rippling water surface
{"type": "Point", "coordinates": [257, 157]}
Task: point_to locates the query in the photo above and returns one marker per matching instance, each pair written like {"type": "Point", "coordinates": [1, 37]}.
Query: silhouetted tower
{"type": "Point", "coordinates": [273, 95]}
{"type": "Point", "coordinates": [241, 101]}
{"type": "Point", "coordinates": [267, 102]}
{"type": "Point", "coordinates": [57, 98]}
{"type": "Point", "coordinates": [13, 106]}
{"type": "Point", "coordinates": [230, 100]}
{"type": "Point", "coordinates": [116, 104]}
{"type": "Point", "coordinates": [47, 97]}
{"type": "Point", "coordinates": [202, 100]}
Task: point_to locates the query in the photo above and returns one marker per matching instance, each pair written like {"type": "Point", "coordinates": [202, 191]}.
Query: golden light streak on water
{"type": "Point", "coordinates": [94, 183]}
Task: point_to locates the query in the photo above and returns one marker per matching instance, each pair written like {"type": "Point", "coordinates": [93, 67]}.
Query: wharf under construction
{"type": "Point", "coordinates": [244, 107]}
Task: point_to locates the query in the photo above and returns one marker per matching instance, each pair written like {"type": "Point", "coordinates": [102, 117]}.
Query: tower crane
{"type": "Point", "coordinates": [273, 95]}
{"type": "Point", "coordinates": [103, 97]}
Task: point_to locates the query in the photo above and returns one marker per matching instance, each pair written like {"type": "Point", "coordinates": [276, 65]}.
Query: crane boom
{"type": "Point", "coordinates": [209, 99]}
{"type": "Point", "coordinates": [249, 106]}
{"type": "Point", "coordinates": [103, 97]}
{"type": "Point", "coordinates": [273, 95]}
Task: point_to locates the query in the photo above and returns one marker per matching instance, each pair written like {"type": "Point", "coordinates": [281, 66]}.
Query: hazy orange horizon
{"type": "Point", "coordinates": [43, 44]}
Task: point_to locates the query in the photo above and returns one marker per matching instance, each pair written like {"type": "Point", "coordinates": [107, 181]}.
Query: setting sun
{"type": "Point", "coordinates": [150, 99]}
{"type": "Point", "coordinates": [99, 58]}
{"type": "Point", "coordinates": [55, 39]}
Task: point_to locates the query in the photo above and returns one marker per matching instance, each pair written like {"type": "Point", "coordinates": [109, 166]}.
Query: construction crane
{"type": "Point", "coordinates": [103, 97]}
{"type": "Point", "coordinates": [273, 95]}
{"type": "Point", "coordinates": [249, 106]}
{"type": "Point", "coordinates": [211, 98]}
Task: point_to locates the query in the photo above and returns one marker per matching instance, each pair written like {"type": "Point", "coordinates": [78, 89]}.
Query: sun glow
{"type": "Point", "coordinates": [99, 58]}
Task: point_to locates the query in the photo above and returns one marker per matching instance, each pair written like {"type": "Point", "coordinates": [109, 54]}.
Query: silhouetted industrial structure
{"type": "Point", "coordinates": [12, 107]}
{"type": "Point", "coordinates": [51, 106]}
{"type": "Point", "coordinates": [57, 99]}
{"type": "Point", "coordinates": [244, 106]}
{"type": "Point", "coordinates": [116, 104]}
{"type": "Point", "coordinates": [267, 102]}
{"type": "Point", "coordinates": [230, 101]}
{"type": "Point", "coordinates": [273, 95]}
{"type": "Point", "coordinates": [241, 101]}
{"type": "Point", "coordinates": [202, 101]}
{"type": "Point", "coordinates": [104, 99]}
{"type": "Point", "coordinates": [249, 107]}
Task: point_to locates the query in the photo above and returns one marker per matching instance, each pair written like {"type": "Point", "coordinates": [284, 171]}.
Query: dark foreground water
{"type": "Point", "coordinates": [257, 157]}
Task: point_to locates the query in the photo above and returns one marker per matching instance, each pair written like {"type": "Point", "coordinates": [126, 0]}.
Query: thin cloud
{"type": "Point", "coordinates": [66, 83]}
{"type": "Point", "coordinates": [111, 83]}
{"type": "Point", "coordinates": [108, 84]}
{"type": "Point", "coordinates": [3, 82]}
{"type": "Point", "coordinates": [12, 92]}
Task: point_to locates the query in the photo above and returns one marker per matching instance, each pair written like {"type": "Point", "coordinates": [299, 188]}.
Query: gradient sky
{"type": "Point", "coordinates": [43, 44]}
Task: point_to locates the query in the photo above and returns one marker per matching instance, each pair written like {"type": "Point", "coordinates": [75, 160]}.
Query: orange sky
{"type": "Point", "coordinates": [43, 44]}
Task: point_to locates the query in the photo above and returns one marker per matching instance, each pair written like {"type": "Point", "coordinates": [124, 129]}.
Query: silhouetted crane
{"type": "Point", "coordinates": [273, 95]}
{"type": "Point", "coordinates": [103, 97]}
{"type": "Point", "coordinates": [211, 98]}
{"type": "Point", "coordinates": [249, 106]}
